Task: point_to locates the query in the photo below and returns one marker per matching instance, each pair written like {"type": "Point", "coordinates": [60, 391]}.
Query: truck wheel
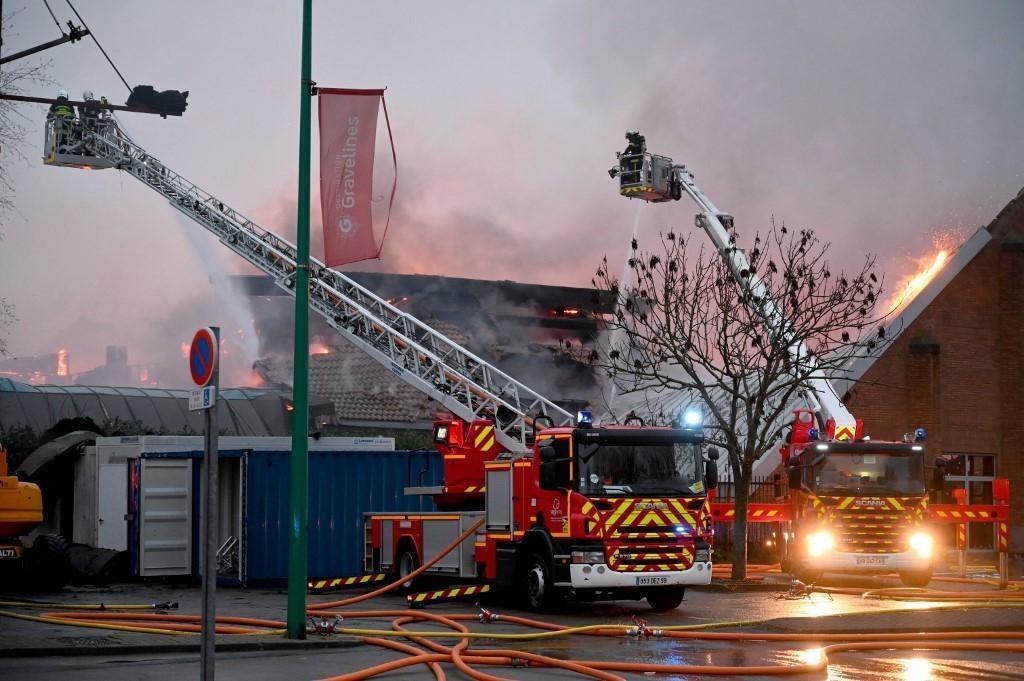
{"type": "Point", "coordinates": [537, 583]}
{"type": "Point", "coordinates": [665, 598]}
{"type": "Point", "coordinates": [917, 578]}
{"type": "Point", "coordinates": [405, 563]}
{"type": "Point", "coordinates": [48, 562]}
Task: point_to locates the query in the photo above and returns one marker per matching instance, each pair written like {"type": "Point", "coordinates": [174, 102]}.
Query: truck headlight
{"type": "Point", "coordinates": [702, 556]}
{"type": "Point", "coordinates": [922, 544]}
{"type": "Point", "coordinates": [592, 557]}
{"type": "Point", "coordinates": [819, 542]}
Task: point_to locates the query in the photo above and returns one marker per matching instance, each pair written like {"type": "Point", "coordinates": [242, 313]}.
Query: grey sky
{"type": "Point", "coordinates": [876, 123]}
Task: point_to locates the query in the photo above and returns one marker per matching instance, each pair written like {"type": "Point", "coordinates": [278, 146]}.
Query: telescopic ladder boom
{"type": "Point", "coordinates": [656, 178]}
{"type": "Point", "coordinates": [427, 360]}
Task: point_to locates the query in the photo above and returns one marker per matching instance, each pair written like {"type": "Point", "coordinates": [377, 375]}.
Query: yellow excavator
{"type": "Point", "coordinates": [43, 565]}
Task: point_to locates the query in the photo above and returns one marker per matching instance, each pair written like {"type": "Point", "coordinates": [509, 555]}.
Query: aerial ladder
{"type": "Point", "coordinates": [609, 512]}
{"type": "Point", "coordinates": [854, 504]}
{"type": "Point", "coordinates": [457, 379]}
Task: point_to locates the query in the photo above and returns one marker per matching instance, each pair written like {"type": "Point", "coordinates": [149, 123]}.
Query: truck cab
{"type": "Point", "coordinates": [860, 507]}
{"type": "Point", "coordinates": [602, 513]}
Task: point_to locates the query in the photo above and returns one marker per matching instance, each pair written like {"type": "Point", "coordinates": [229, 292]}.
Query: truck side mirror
{"type": "Point", "coordinates": [795, 477]}
{"type": "Point", "coordinates": [548, 477]}
{"type": "Point", "coordinates": [711, 474]}
{"type": "Point", "coordinates": [711, 469]}
{"type": "Point", "coordinates": [554, 469]}
{"type": "Point", "coordinates": [939, 476]}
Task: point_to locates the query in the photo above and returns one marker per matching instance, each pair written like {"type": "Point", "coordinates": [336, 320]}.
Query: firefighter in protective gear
{"type": "Point", "coordinates": [633, 157]}
{"type": "Point", "coordinates": [61, 108]}
{"type": "Point", "coordinates": [104, 112]}
{"type": "Point", "coordinates": [88, 114]}
{"type": "Point", "coordinates": [63, 114]}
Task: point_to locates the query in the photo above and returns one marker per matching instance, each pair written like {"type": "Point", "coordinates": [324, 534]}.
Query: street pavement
{"type": "Point", "coordinates": [45, 652]}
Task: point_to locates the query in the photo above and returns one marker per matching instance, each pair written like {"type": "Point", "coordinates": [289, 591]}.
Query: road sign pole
{"type": "Point", "coordinates": [298, 544]}
{"type": "Point", "coordinates": [209, 516]}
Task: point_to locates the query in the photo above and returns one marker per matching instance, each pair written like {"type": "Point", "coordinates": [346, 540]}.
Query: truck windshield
{"type": "Point", "coordinates": [639, 470]}
{"type": "Point", "coordinates": [870, 473]}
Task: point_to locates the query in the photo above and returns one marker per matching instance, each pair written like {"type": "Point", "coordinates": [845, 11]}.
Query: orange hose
{"type": "Point", "coordinates": [434, 667]}
{"type": "Point", "coordinates": [315, 608]}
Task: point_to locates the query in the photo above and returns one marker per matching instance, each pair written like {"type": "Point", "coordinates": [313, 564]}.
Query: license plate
{"type": "Point", "coordinates": [872, 560]}
{"type": "Point", "coordinates": [8, 552]}
{"type": "Point", "coordinates": [651, 581]}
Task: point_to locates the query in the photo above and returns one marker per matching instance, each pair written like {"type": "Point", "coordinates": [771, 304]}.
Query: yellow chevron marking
{"type": "Point", "coordinates": [895, 503]}
{"type": "Point", "coordinates": [484, 432]}
{"type": "Point", "coordinates": [631, 518]}
{"type": "Point", "coordinates": [845, 502]}
{"type": "Point", "coordinates": [420, 597]}
{"type": "Point", "coordinates": [845, 433]}
{"type": "Point", "coordinates": [615, 514]}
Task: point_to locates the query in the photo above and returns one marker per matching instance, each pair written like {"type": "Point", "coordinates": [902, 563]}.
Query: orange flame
{"type": "Point", "coordinates": [143, 375]}
{"type": "Point", "coordinates": [318, 348]}
{"type": "Point", "coordinates": [62, 362]}
{"type": "Point", "coordinates": [944, 244]}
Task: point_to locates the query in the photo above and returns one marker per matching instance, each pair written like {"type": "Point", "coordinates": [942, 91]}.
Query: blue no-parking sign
{"type": "Point", "coordinates": [202, 356]}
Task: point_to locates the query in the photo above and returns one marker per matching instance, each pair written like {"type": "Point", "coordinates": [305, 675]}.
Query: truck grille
{"type": "Point", "coordinates": [867, 531]}
{"type": "Point", "coordinates": [650, 557]}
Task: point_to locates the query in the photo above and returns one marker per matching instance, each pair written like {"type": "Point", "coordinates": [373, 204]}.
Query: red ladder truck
{"type": "Point", "coordinates": [854, 504]}
{"type": "Point", "coordinates": [569, 509]}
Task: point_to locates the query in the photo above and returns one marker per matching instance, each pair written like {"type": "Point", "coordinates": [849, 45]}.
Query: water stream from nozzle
{"type": "Point", "coordinates": [611, 390]}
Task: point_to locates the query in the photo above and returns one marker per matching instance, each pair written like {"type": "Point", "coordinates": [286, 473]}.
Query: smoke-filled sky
{"type": "Point", "coordinates": [876, 123]}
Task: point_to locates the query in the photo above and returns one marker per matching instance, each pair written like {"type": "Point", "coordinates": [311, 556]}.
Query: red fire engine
{"type": "Point", "coordinates": [855, 504]}
{"type": "Point", "coordinates": [592, 513]}
{"type": "Point", "coordinates": [569, 508]}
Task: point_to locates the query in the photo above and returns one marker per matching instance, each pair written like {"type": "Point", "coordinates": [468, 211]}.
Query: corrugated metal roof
{"type": "Point", "coordinates": [241, 411]}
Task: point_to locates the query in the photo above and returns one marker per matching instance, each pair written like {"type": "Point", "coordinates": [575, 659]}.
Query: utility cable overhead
{"type": "Point", "coordinates": [93, 35]}
{"type": "Point", "coordinates": [47, 3]}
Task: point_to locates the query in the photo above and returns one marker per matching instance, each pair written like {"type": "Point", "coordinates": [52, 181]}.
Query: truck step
{"type": "Point", "coordinates": [320, 586]}
{"type": "Point", "coordinates": [418, 600]}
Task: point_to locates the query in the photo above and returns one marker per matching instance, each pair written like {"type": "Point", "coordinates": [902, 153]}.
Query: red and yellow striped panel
{"type": "Point", "coordinates": [422, 598]}
{"type": "Point", "coordinates": [335, 583]}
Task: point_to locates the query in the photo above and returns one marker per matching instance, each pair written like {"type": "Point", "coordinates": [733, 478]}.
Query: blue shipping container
{"type": "Point", "coordinates": [343, 486]}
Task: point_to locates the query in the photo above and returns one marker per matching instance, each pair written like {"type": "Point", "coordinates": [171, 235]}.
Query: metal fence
{"type": "Point", "coordinates": [762, 538]}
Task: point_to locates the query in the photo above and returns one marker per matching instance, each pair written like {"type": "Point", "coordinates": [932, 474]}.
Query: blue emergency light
{"type": "Point", "coordinates": [584, 418]}
{"type": "Point", "coordinates": [692, 418]}
{"type": "Point", "coordinates": [920, 435]}
{"type": "Point", "coordinates": [812, 433]}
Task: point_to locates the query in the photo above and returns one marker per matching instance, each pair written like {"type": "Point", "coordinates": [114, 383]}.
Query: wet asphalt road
{"type": "Point", "coordinates": [701, 606]}
{"type": "Point", "coordinates": [887, 666]}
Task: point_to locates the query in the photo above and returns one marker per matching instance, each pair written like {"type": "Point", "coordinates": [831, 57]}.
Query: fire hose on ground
{"type": "Point", "coordinates": [422, 649]}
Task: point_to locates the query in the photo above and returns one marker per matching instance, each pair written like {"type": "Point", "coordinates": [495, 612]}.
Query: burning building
{"type": "Point", "coordinates": [51, 368]}
{"type": "Point", "coordinates": [515, 326]}
{"type": "Point", "coordinates": [956, 367]}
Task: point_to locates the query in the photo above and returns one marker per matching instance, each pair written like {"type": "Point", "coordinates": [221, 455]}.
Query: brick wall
{"type": "Point", "coordinates": [958, 369]}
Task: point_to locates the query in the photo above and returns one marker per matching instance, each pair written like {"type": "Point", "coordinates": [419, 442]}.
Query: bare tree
{"type": "Point", "coordinates": [684, 323]}
{"type": "Point", "coordinates": [15, 78]}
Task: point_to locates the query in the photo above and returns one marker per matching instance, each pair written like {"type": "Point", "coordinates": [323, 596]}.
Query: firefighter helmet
{"type": "Point", "coordinates": [62, 94]}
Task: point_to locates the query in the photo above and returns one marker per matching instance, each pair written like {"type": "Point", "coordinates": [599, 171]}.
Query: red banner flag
{"type": "Point", "coordinates": [348, 131]}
